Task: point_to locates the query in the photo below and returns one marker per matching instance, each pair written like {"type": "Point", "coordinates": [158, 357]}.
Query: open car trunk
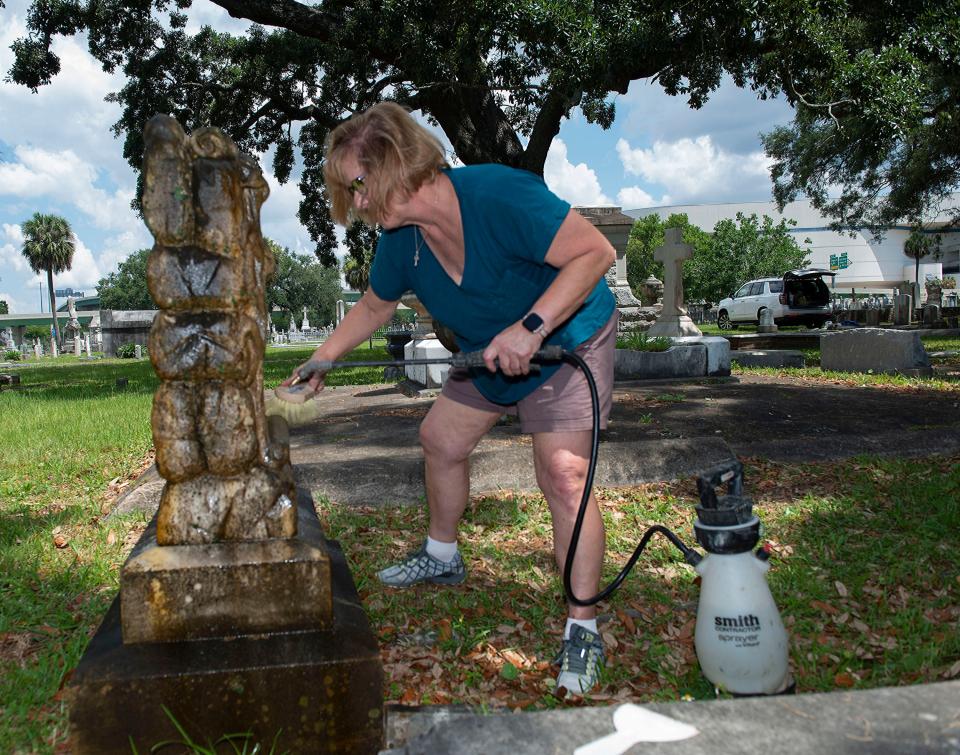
{"type": "Point", "coordinates": [805, 289]}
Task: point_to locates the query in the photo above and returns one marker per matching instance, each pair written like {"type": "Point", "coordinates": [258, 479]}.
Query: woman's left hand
{"type": "Point", "coordinates": [512, 349]}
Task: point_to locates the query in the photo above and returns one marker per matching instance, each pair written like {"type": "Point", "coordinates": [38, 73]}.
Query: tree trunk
{"type": "Point", "coordinates": [53, 309]}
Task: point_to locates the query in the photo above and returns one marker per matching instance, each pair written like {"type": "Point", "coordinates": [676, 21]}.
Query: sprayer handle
{"type": "Point", "coordinates": [314, 366]}
{"type": "Point", "coordinates": [475, 358]}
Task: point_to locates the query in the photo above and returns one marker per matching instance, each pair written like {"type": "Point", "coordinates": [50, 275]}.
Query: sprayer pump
{"type": "Point", "coordinates": [741, 642]}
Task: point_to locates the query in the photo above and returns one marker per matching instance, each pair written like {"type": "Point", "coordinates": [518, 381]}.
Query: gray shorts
{"type": "Point", "coordinates": [562, 404]}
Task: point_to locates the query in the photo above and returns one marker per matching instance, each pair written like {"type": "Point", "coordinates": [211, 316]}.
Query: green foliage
{"type": "Point", "coordinates": [36, 331]}
{"type": "Point", "coordinates": [127, 287]}
{"type": "Point", "coordinates": [362, 241]}
{"type": "Point", "coordinates": [736, 251]}
{"type": "Point", "coordinates": [640, 341]}
{"type": "Point", "coordinates": [298, 282]}
{"type": "Point", "coordinates": [4, 307]}
{"type": "Point", "coordinates": [126, 351]}
{"type": "Point", "coordinates": [645, 236]}
{"type": "Point", "coordinates": [875, 89]}
{"type": "Point", "coordinates": [48, 246]}
{"type": "Point", "coordinates": [742, 250]}
{"type": "Point", "coordinates": [11, 355]}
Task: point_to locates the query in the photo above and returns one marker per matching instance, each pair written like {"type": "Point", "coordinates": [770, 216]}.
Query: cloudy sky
{"type": "Point", "coordinates": [58, 155]}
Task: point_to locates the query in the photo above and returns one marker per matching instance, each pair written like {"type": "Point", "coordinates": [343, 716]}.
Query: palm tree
{"type": "Point", "coordinates": [48, 245]}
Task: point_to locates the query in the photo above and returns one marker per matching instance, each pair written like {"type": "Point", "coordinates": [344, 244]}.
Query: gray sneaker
{"type": "Point", "coordinates": [580, 659]}
{"type": "Point", "coordinates": [420, 566]}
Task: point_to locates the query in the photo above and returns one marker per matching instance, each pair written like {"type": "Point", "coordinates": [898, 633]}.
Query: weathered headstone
{"type": "Point", "coordinates": [673, 320]}
{"type": "Point", "coordinates": [902, 309]}
{"type": "Point", "coordinates": [235, 613]}
{"type": "Point", "coordinates": [53, 348]}
{"type": "Point", "coordinates": [306, 322]}
{"type": "Point", "coordinates": [931, 315]}
{"type": "Point", "coordinates": [874, 350]}
{"type": "Point", "coordinates": [37, 348]}
{"type": "Point", "coordinates": [86, 344]}
{"type": "Point", "coordinates": [137, 351]}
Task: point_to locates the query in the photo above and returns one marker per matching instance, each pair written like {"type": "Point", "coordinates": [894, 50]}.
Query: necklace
{"type": "Point", "coordinates": [417, 246]}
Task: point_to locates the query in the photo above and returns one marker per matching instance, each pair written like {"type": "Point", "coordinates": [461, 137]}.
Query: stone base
{"type": "Point", "coordinates": [185, 592]}
{"type": "Point", "coordinates": [686, 361]}
{"type": "Point", "coordinates": [432, 375]}
{"type": "Point", "coordinates": [321, 689]}
{"type": "Point", "coordinates": [673, 326]}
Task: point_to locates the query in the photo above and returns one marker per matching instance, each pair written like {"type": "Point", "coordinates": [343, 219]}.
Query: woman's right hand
{"type": "Point", "coordinates": [315, 381]}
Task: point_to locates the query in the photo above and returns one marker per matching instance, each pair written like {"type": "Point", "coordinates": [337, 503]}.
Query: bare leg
{"type": "Point", "coordinates": [561, 460]}
{"type": "Point", "coordinates": [449, 434]}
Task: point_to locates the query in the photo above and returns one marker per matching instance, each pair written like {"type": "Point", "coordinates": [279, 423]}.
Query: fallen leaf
{"type": "Point", "coordinates": [609, 640]}
{"type": "Point", "coordinates": [843, 679]}
{"type": "Point", "coordinates": [626, 621]}
{"type": "Point", "coordinates": [825, 607]}
{"type": "Point", "coordinates": [111, 537]}
{"type": "Point", "coordinates": [60, 541]}
{"type": "Point", "coordinates": [445, 629]}
{"type": "Point", "coordinates": [841, 589]}
{"type": "Point", "coordinates": [509, 672]}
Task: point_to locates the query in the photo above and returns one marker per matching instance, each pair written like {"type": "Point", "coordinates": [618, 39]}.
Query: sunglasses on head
{"type": "Point", "coordinates": [357, 186]}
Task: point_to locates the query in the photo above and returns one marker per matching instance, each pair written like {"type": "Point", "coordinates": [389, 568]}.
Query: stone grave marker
{"type": "Point", "coordinates": [235, 613]}
{"type": "Point", "coordinates": [673, 320]}
{"type": "Point", "coordinates": [874, 350]}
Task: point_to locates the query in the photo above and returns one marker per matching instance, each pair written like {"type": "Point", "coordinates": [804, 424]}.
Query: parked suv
{"type": "Point", "coordinates": [800, 297]}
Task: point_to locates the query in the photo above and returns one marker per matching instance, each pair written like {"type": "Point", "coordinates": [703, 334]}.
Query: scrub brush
{"type": "Point", "coordinates": [295, 402]}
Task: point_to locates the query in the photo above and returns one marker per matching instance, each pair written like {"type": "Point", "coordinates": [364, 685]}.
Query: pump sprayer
{"type": "Point", "coordinates": [741, 642]}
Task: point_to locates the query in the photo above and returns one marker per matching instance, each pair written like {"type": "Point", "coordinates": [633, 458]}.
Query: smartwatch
{"type": "Point", "coordinates": [534, 323]}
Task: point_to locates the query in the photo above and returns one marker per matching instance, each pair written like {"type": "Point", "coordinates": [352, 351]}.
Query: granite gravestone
{"type": "Point", "coordinates": [235, 613]}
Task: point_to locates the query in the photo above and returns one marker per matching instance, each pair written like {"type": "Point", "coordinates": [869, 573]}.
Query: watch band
{"type": "Point", "coordinates": [534, 323]}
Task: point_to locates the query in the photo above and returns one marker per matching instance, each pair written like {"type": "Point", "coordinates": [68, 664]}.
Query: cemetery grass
{"type": "Point", "coordinates": [71, 441]}
{"type": "Point", "coordinates": [865, 571]}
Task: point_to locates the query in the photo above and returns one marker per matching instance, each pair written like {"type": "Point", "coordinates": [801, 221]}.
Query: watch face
{"type": "Point", "coordinates": [532, 321]}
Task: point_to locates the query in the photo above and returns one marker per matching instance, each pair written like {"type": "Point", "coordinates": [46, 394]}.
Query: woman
{"type": "Point", "coordinates": [508, 267]}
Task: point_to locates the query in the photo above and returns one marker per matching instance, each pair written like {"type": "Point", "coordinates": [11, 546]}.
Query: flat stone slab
{"type": "Point", "coordinates": [685, 361]}
{"type": "Point", "coordinates": [875, 350]}
{"type": "Point", "coordinates": [886, 721]}
{"type": "Point", "coordinates": [771, 358]}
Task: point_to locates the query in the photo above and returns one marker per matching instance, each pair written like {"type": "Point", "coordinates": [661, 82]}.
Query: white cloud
{"type": "Point", "coordinates": [696, 169]}
{"type": "Point", "coordinates": [84, 272]}
{"type": "Point", "coordinates": [12, 304]}
{"type": "Point", "coordinates": [577, 184]}
{"type": "Point", "coordinates": [11, 258]}
{"type": "Point", "coordinates": [13, 233]}
{"type": "Point", "coordinates": [633, 197]}
{"type": "Point", "coordinates": [67, 179]}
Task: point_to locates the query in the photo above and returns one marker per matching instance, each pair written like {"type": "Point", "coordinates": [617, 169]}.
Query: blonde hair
{"type": "Point", "coordinates": [397, 156]}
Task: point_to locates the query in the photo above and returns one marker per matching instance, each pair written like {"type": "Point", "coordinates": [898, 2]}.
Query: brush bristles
{"type": "Point", "coordinates": [295, 415]}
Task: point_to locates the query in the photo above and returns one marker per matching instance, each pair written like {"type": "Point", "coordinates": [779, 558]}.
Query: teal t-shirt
{"type": "Point", "coordinates": [509, 218]}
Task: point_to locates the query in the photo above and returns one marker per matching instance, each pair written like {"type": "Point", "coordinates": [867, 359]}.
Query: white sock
{"type": "Point", "coordinates": [440, 550]}
{"type": "Point", "coordinates": [590, 624]}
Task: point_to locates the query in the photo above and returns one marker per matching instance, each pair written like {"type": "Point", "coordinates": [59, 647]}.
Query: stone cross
{"type": "Point", "coordinates": [306, 322]}
{"type": "Point", "coordinates": [673, 320]}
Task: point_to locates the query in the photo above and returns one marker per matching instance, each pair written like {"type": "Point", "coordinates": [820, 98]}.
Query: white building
{"type": "Point", "coordinates": [861, 262]}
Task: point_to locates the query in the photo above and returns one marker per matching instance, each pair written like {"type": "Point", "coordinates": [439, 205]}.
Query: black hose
{"type": "Point", "coordinates": [688, 553]}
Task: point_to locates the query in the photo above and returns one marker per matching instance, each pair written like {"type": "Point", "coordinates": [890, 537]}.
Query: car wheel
{"type": "Point", "coordinates": [723, 320]}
